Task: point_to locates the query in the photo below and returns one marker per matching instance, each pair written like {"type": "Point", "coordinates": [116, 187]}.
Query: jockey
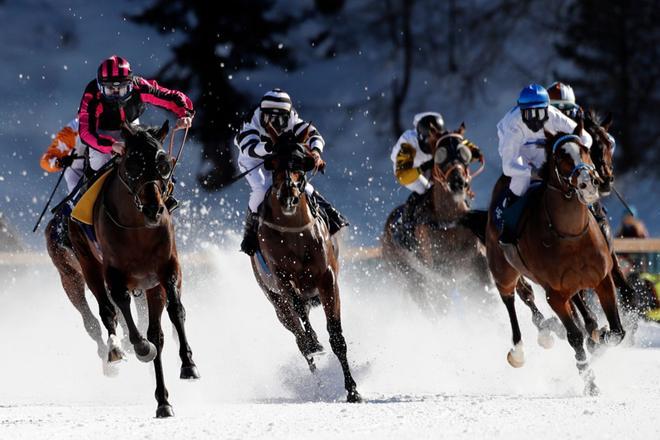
{"type": "Point", "coordinates": [412, 158]}
{"type": "Point", "coordinates": [116, 96]}
{"type": "Point", "coordinates": [63, 152]}
{"type": "Point", "coordinates": [562, 98]}
{"type": "Point", "coordinates": [520, 133]}
{"type": "Point", "coordinates": [254, 144]}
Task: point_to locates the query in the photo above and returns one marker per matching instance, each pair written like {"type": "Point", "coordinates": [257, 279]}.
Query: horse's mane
{"type": "Point", "coordinates": [146, 134]}
{"type": "Point", "coordinates": [549, 142]}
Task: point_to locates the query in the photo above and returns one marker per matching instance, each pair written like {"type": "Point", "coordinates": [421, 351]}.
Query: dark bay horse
{"type": "Point", "coordinates": [137, 251]}
{"type": "Point", "coordinates": [448, 253]}
{"type": "Point", "coordinates": [561, 248]}
{"type": "Point", "coordinates": [297, 266]}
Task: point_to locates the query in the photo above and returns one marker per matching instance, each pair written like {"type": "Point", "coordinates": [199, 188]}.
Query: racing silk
{"type": "Point", "coordinates": [64, 143]}
{"type": "Point", "coordinates": [519, 146]}
{"type": "Point", "coordinates": [252, 140]}
{"type": "Point", "coordinates": [408, 158]}
{"type": "Point", "coordinates": [97, 115]}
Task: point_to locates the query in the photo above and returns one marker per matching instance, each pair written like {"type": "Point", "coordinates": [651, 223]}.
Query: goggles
{"type": "Point", "coordinates": [277, 120]}
{"type": "Point", "coordinates": [535, 114]}
{"type": "Point", "coordinates": [116, 91]}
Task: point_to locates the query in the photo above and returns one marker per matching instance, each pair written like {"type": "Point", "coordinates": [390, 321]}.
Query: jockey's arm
{"type": "Point", "coordinates": [511, 140]}
{"type": "Point", "coordinates": [249, 142]}
{"type": "Point", "coordinates": [560, 123]}
{"type": "Point", "coordinates": [60, 148]}
{"type": "Point", "coordinates": [173, 100]}
{"type": "Point", "coordinates": [88, 121]}
{"type": "Point", "coordinates": [405, 172]}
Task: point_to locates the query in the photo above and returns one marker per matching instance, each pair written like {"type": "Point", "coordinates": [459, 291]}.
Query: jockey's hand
{"type": "Point", "coordinates": [319, 164]}
{"type": "Point", "coordinates": [185, 122]}
{"type": "Point", "coordinates": [119, 147]}
{"type": "Point", "coordinates": [65, 161]}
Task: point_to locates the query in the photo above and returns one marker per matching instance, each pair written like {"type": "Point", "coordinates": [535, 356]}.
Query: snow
{"type": "Point", "coordinates": [421, 376]}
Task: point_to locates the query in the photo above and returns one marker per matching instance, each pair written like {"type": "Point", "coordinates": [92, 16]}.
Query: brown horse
{"type": "Point", "coordinates": [447, 252]}
{"type": "Point", "coordinates": [561, 248]}
{"type": "Point", "coordinates": [297, 265]}
{"type": "Point", "coordinates": [137, 251]}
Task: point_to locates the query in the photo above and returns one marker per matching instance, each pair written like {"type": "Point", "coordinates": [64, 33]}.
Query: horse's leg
{"type": "Point", "coordinates": [145, 351]}
{"type": "Point", "coordinates": [607, 296]}
{"type": "Point", "coordinates": [543, 325]}
{"type": "Point", "coordinates": [329, 294]}
{"type": "Point", "coordinates": [575, 337]}
{"type": "Point", "coordinates": [156, 304]}
{"type": "Point", "coordinates": [92, 271]}
{"type": "Point", "coordinates": [629, 298]}
{"type": "Point", "coordinates": [290, 320]}
{"type": "Point", "coordinates": [171, 280]}
{"type": "Point", "coordinates": [302, 308]}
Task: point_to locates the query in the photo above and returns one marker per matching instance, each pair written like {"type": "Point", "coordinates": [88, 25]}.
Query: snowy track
{"type": "Point", "coordinates": [421, 379]}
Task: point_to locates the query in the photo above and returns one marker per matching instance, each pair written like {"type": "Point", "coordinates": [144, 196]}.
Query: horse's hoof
{"type": "Point", "coordinates": [164, 411]}
{"type": "Point", "coordinates": [110, 369]}
{"type": "Point", "coordinates": [516, 356]}
{"type": "Point", "coordinates": [189, 373]}
{"type": "Point", "coordinates": [145, 352]}
{"type": "Point", "coordinates": [591, 389]}
{"type": "Point", "coordinates": [116, 355]}
{"type": "Point", "coordinates": [545, 339]}
{"type": "Point", "coordinates": [354, 397]}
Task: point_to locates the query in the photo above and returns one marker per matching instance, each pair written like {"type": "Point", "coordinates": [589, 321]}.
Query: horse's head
{"type": "Point", "coordinates": [451, 159]}
{"type": "Point", "coordinates": [145, 170]}
{"type": "Point", "coordinates": [569, 167]}
{"type": "Point", "coordinates": [289, 163]}
{"type": "Point", "coordinates": [602, 149]}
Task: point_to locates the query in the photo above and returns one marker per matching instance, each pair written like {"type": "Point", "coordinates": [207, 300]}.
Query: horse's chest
{"type": "Point", "coordinates": [578, 267]}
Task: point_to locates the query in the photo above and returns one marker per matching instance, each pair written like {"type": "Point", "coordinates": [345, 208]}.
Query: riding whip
{"type": "Point", "coordinates": [630, 211]}
{"type": "Point", "coordinates": [52, 194]}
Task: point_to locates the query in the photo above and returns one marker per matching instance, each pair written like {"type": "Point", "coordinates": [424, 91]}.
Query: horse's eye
{"type": "Point", "coordinates": [440, 155]}
{"type": "Point", "coordinates": [164, 168]}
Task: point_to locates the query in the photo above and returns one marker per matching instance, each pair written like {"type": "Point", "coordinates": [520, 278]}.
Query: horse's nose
{"type": "Point", "coordinates": [295, 201]}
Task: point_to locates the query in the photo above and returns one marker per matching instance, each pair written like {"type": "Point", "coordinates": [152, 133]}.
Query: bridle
{"type": "Point", "coordinates": [456, 159]}
{"type": "Point", "coordinates": [161, 182]}
{"type": "Point", "coordinates": [567, 187]}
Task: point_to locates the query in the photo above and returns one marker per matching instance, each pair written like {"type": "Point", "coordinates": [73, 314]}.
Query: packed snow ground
{"type": "Point", "coordinates": [420, 377]}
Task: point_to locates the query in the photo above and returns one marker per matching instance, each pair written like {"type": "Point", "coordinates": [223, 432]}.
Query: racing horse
{"type": "Point", "coordinates": [445, 247]}
{"type": "Point", "coordinates": [561, 248]}
{"type": "Point", "coordinates": [297, 262]}
{"type": "Point", "coordinates": [137, 250]}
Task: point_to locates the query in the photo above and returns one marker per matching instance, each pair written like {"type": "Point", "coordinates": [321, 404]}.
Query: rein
{"type": "Point", "coordinates": [290, 229]}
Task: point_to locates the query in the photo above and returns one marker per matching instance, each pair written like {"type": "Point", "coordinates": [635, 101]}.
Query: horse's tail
{"type": "Point", "coordinates": [476, 221]}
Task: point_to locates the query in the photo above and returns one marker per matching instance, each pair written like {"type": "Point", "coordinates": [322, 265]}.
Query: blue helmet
{"type": "Point", "coordinates": [533, 96]}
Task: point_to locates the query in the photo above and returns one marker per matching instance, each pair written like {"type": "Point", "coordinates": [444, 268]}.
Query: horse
{"type": "Point", "coordinates": [561, 248]}
{"type": "Point", "coordinates": [136, 250]}
{"type": "Point", "coordinates": [297, 262]}
{"type": "Point", "coordinates": [445, 246]}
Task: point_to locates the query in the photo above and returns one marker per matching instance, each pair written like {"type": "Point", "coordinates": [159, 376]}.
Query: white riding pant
{"type": "Point", "coordinates": [519, 184]}
{"type": "Point", "coordinates": [259, 181]}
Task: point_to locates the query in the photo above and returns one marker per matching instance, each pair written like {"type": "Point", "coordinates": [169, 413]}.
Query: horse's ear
{"type": "Point", "coordinates": [461, 129]}
{"type": "Point", "coordinates": [127, 130]}
{"type": "Point", "coordinates": [162, 131]}
{"type": "Point", "coordinates": [272, 132]}
{"type": "Point", "coordinates": [607, 122]}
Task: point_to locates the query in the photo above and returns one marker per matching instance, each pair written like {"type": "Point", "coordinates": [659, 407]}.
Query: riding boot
{"type": "Point", "coordinates": [600, 214]}
{"type": "Point", "coordinates": [336, 220]}
{"type": "Point", "coordinates": [250, 243]}
{"type": "Point", "coordinates": [508, 234]}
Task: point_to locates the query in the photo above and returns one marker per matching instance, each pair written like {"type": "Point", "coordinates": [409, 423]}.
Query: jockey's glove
{"type": "Point", "coordinates": [65, 161]}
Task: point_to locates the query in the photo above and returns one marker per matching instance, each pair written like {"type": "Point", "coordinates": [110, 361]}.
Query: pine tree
{"type": "Point", "coordinates": [220, 40]}
{"type": "Point", "coordinates": [615, 47]}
